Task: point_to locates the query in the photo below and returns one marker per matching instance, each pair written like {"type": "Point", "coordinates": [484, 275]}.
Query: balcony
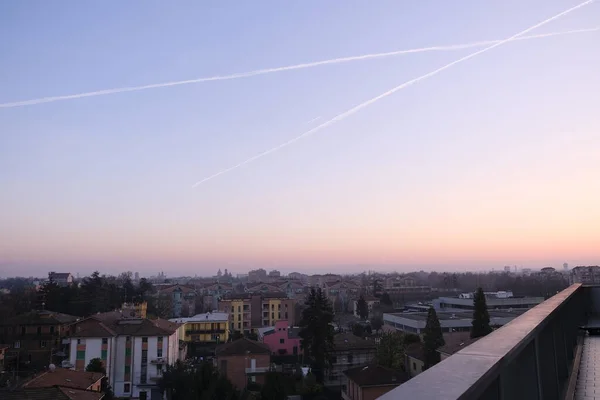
{"type": "Point", "coordinates": [534, 357]}
{"type": "Point", "coordinates": [159, 361]}
{"type": "Point", "coordinates": [201, 331]}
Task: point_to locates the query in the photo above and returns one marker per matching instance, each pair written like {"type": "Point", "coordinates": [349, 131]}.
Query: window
{"type": "Point", "coordinates": [128, 339]}
{"type": "Point", "coordinates": [286, 315]}
{"type": "Point", "coordinates": [144, 375]}
{"type": "Point", "coordinates": [239, 308]}
{"type": "Point", "coordinates": [78, 341]}
{"type": "Point", "coordinates": [81, 354]}
{"type": "Point", "coordinates": [143, 396]}
{"type": "Point", "coordinates": [279, 306]}
{"type": "Point", "coordinates": [272, 315]}
{"type": "Point", "coordinates": [295, 350]}
{"type": "Point", "coordinates": [281, 341]}
{"type": "Point", "coordinates": [43, 344]}
{"type": "Point", "coordinates": [239, 325]}
{"type": "Point", "coordinates": [127, 369]}
{"type": "Point", "coordinates": [39, 330]}
{"type": "Point", "coordinates": [103, 354]}
{"type": "Point", "coordinates": [17, 345]}
{"type": "Point", "coordinates": [160, 339]}
{"type": "Point", "coordinates": [144, 340]}
{"type": "Point", "coordinates": [127, 388]}
{"type": "Point", "coordinates": [415, 366]}
{"type": "Point", "coordinates": [350, 358]}
{"type": "Point", "coordinates": [272, 306]}
{"type": "Point", "coordinates": [128, 352]}
{"type": "Point", "coordinates": [52, 329]}
{"type": "Point", "coordinates": [144, 356]}
{"type": "Point", "coordinates": [104, 340]}
{"type": "Point", "coordinates": [159, 352]}
{"type": "Point", "coordinates": [232, 309]}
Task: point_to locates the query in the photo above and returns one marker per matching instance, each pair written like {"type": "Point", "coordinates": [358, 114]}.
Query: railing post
{"type": "Point", "coordinates": [520, 378]}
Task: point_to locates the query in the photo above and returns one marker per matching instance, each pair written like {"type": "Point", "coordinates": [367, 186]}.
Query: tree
{"type": "Point", "coordinates": [481, 317]}
{"type": "Point", "coordinates": [362, 308]}
{"type": "Point", "coordinates": [96, 365]}
{"type": "Point", "coordinates": [432, 339]}
{"type": "Point", "coordinates": [377, 323]}
{"type": "Point", "coordinates": [386, 300]}
{"type": "Point", "coordinates": [316, 331]}
{"type": "Point", "coordinates": [390, 352]}
{"type": "Point", "coordinates": [144, 289]}
{"type": "Point", "coordinates": [376, 288]}
{"type": "Point", "coordinates": [276, 387]}
{"type": "Point", "coordinates": [410, 338]}
{"type": "Point", "coordinates": [358, 330]}
{"type": "Point", "coordinates": [200, 382]}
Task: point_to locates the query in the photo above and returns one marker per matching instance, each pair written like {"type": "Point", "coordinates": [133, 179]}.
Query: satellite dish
{"type": "Point", "coordinates": [52, 367]}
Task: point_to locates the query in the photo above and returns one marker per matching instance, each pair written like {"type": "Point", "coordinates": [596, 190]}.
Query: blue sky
{"type": "Point", "coordinates": [489, 163]}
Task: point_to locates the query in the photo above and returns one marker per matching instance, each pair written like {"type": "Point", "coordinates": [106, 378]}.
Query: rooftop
{"type": "Point", "coordinates": [422, 316]}
{"type": "Point", "coordinates": [242, 346]}
{"type": "Point", "coordinates": [65, 377]}
{"type": "Point", "coordinates": [52, 393]}
{"type": "Point", "coordinates": [375, 375]}
{"type": "Point", "coordinates": [348, 341]}
{"type": "Point", "coordinates": [40, 317]}
{"type": "Point", "coordinates": [114, 323]}
{"type": "Point", "coordinates": [456, 341]}
{"type": "Point", "coordinates": [205, 317]}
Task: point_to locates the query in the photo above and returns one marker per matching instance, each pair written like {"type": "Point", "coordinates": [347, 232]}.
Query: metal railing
{"type": "Point", "coordinates": [530, 358]}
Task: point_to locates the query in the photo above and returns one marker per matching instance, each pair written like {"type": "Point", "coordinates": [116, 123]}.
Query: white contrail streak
{"type": "Point", "coordinates": [249, 74]}
{"type": "Point", "coordinates": [367, 103]}
{"type": "Point", "coordinates": [314, 119]}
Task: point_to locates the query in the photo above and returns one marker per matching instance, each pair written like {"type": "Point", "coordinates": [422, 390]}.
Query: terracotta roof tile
{"type": "Point", "coordinates": [376, 375]}
{"type": "Point", "coordinates": [65, 377]}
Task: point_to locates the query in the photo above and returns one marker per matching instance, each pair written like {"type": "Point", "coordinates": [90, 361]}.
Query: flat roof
{"type": "Point", "coordinates": [205, 317]}
{"type": "Point", "coordinates": [422, 316]}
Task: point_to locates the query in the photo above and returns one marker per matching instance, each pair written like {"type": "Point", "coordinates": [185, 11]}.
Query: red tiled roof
{"type": "Point", "coordinates": [65, 377]}
{"type": "Point", "coordinates": [376, 375]}
{"type": "Point", "coordinates": [242, 346]}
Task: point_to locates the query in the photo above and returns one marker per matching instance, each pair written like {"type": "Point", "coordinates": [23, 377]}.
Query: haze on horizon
{"type": "Point", "coordinates": [492, 162]}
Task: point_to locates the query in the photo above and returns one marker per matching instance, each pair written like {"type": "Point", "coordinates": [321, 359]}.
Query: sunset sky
{"type": "Point", "coordinates": [494, 161]}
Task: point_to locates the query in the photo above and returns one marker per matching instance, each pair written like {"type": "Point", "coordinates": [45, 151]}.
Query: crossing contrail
{"type": "Point", "coordinates": [249, 74]}
{"type": "Point", "coordinates": [367, 103]}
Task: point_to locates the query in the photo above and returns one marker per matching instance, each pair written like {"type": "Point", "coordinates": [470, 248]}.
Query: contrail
{"type": "Point", "coordinates": [313, 120]}
{"type": "Point", "coordinates": [367, 103]}
{"type": "Point", "coordinates": [249, 74]}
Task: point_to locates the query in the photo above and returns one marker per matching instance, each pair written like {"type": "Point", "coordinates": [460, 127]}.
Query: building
{"type": "Point", "coordinates": [181, 299]}
{"type": "Point", "coordinates": [403, 285]}
{"type": "Point", "coordinates": [455, 342]}
{"type": "Point", "coordinates": [281, 338]}
{"type": "Point", "coordinates": [210, 327]}
{"type": "Point", "coordinates": [415, 359]}
{"type": "Point", "coordinates": [494, 301]}
{"type": "Point", "coordinates": [60, 278]}
{"type": "Point", "coordinates": [82, 380]}
{"type": "Point", "coordinates": [35, 338]}
{"type": "Point", "coordinates": [414, 322]}
{"type": "Point", "coordinates": [257, 275]}
{"type": "Point", "coordinates": [243, 360]}
{"type": "Point", "coordinates": [274, 274]}
{"type": "Point", "coordinates": [371, 302]}
{"type": "Point", "coordinates": [586, 275]}
{"type": "Point", "coordinates": [371, 381]}
{"type": "Point", "coordinates": [349, 351]}
{"type": "Point", "coordinates": [251, 311]}
{"type": "Point", "coordinates": [53, 393]}
{"type": "Point", "coordinates": [297, 276]}
{"type": "Point", "coordinates": [134, 351]}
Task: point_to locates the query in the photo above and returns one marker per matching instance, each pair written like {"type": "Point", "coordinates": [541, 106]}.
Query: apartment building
{"type": "Point", "coordinates": [182, 300]}
{"type": "Point", "coordinates": [282, 339]}
{"type": "Point", "coordinates": [35, 337]}
{"type": "Point", "coordinates": [250, 311]}
{"type": "Point", "coordinates": [586, 275]}
{"type": "Point", "coordinates": [349, 351]}
{"type": "Point", "coordinates": [210, 327]}
{"type": "Point", "coordinates": [242, 361]}
{"type": "Point", "coordinates": [135, 351]}
{"type": "Point", "coordinates": [371, 381]}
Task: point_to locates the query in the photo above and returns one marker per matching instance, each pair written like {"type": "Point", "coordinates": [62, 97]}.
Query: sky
{"type": "Point", "coordinates": [492, 162]}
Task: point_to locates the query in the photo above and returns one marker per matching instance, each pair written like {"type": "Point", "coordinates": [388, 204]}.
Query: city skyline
{"type": "Point", "coordinates": [486, 164]}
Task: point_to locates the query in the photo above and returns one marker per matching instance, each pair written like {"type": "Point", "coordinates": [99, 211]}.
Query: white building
{"type": "Point", "coordinates": [135, 351]}
{"type": "Point", "coordinates": [60, 278]}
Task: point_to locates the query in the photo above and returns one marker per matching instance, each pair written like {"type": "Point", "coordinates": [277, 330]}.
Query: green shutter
{"type": "Point", "coordinates": [103, 354]}
{"type": "Point", "coordinates": [81, 354]}
{"type": "Point", "coordinates": [127, 351]}
{"type": "Point", "coordinates": [127, 369]}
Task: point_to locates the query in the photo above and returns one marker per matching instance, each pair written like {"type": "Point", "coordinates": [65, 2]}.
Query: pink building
{"type": "Point", "coordinates": [281, 339]}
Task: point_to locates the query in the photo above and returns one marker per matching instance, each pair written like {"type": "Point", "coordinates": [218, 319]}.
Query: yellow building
{"type": "Point", "coordinates": [204, 328]}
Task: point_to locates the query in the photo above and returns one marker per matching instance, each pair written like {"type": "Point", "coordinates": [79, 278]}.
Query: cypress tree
{"type": "Point", "coordinates": [432, 339]}
{"type": "Point", "coordinates": [481, 317]}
